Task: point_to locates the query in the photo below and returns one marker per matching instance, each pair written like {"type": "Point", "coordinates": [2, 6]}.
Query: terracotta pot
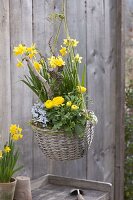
{"type": "Point", "coordinates": [7, 190]}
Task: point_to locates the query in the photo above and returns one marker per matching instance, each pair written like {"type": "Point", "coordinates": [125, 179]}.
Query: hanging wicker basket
{"type": "Point", "coordinates": [59, 146]}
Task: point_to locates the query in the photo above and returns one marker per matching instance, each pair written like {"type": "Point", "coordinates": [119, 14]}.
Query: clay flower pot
{"type": "Point", "coordinates": [7, 190]}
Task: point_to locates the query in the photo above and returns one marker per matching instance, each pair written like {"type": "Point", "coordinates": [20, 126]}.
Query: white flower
{"type": "Point", "coordinates": [39, 114]}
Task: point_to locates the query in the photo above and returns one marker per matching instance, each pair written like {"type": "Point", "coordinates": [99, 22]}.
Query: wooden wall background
{"type": "Point", "coordinates": [97, 24]}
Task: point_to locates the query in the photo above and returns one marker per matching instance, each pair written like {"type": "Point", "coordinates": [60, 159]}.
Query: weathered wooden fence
{"type": "Point", "coordinates": [97, 24]}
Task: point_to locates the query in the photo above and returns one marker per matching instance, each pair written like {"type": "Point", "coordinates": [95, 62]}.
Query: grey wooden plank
{"type": "Point", "coordinates": [21, 32]}
{"type": "Point", "coordinates": [55, 187]}
{"type": "Point", "coordinates": [41, 36]}
{"type": "Point", "coordinates": [96, 83]}
{"type": "Point", "coordinates": [5, 88]}
{"type": "Point", "coordinates": [120, 100]}
{"type": "Point", "coordinates": [51, 192]}
{"type": "Point", "coordinates": [96, 185]}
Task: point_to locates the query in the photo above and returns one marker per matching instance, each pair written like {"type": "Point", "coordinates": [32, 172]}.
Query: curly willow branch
{"type": "Point", "coordinates": [43, 80]}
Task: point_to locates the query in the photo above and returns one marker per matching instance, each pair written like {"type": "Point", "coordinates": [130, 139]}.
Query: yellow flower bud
{"type": "Point", "coordinates": [81, 89]}
{"type": "Point", "coordinates": [0, 154]}
{"type": "Point", "coordinates": [69, 103]}
{"type": "Point", "coordinates": [74, 107]}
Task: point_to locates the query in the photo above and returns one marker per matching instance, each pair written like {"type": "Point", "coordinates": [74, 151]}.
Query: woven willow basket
{"type": "Point", "coordinates": [59, 146]}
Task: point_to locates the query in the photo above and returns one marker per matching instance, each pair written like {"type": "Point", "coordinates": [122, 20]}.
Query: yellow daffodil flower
{"type": "Point", "coordinates": [19, 63]}
{"type": "Point", "coordinates": [32, 51]}
{"type": "Point", "coordinates": [49, 104]}
{"type": "Point", "coordinates": [15, 132]}
{"type": "Point", "coordinates": [56, 61]}
{"type": "Point", "coordinates": [63, 51]}
{"type": "Point", "coordinates": [77, 58]}
{"type": "Point", "coordinates": [7, 149]}
{"type": "Point", "coordinates": [69, 103]}
{"type": "Point", "coordinates": [70, 42]}
{"type": "Point", "coordinates": [59, 61]}
{"type": "Point", "coordinates": [20, 136]}
{"type": "Point", "coordinates": [0, 154]}
{"type": "Point", "coordinates": [19, 130]}
{"type": "Point", "coordinates": [13, 129]}
{"type": "Point", "coordinates": [74, 107]}
{"type": "Point", "coordinates": [81, 89]}
{"type": "Point", "coordinates": [16, 137]}
{"type": "Point", "coordinates": [58, 100]}
{"type": "Point", "coordinates": [37, 66]}
{"type": "Point", "coordinates": [19, 50]}
{"type": "Point", "coordinates": [52, 61]}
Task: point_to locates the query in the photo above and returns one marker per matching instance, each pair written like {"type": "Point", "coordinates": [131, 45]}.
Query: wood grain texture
{"type": "Point", "coordinates": [5, 87]}
{"type": "Point", "coordinates": [41, 30]}
{"type": "Point", "coordinates": [105, 80]}
{"type": "Point", "coordinates": [120, 100]}
{"type": "Point", "coordinates": [21, 32]}
{"type": "Point", "coordinates": [54, 187]}
{"type": "Point", "coordinates": [97, 24]}
{"type": "Point", "coordinates": [95, 83]}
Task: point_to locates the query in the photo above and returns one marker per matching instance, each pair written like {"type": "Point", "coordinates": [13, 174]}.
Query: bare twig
{"type": "Point", "coordinates": [43, 80]}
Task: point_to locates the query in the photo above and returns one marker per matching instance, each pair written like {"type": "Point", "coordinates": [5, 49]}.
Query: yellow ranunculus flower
{"type": "Point", "coordinates": [37, 65]}
{"type": "Point", "coordinates": [58, 100]}
{"type": "Point", "coordinates": [7, 149]}
{"type": "Point", "coordinates": [74, 107]}
{"type": "Point", "coordinates": [77, 58]}
{"type": "Point", "coordinates": [19, 50]}
{"type": "Point", "coordinates": [69, 103]}
{"type": "Point", "coordinates": [70, 42]}
{"type": "Point", "coordinates": [0, 154]}
{"type": "Point", "coordinates": [81, 89]}
{"type": "Point", "coordinates": [49, 104]}
{"type": "Point", "coordinates": [63, 51]}
{"type": "Point", "coordinates": [19, 63]}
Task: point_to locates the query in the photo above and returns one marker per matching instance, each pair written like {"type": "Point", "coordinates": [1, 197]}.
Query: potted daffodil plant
{"type": "Point", "coordinates": [62, 124]}
{"type": "Point", "coordinates": [9, 156]}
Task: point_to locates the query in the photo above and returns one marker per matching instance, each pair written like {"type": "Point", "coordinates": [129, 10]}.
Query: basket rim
{"type": "Point", "coordinates": [46, 130]}
{"type": "Point", "coordinates": [54, 132]}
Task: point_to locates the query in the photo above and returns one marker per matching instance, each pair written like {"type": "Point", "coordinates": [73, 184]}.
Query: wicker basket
{"type": "Point", "coordinates": [59, 146]}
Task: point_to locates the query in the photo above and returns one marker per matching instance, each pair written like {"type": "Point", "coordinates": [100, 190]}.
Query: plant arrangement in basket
{"type": "Point", "coordinates": [55, 81]}
{"type": "Point", "coordinates": [9, 155]}
{"type": "Point", "coordinates": [62, 97]}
